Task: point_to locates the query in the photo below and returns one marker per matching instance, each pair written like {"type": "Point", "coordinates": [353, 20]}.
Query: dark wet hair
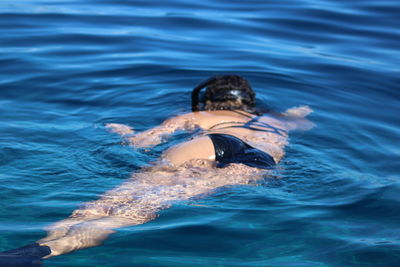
{"type": "Point", "coordinates": [225, 92]}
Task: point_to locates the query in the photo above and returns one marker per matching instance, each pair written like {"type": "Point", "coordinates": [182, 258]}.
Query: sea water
{"type": "Point", "coordinates": [68, 67]}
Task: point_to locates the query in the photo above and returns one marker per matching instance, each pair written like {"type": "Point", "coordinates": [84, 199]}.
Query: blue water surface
{"type": "Point", "coordinates": [68, 67]}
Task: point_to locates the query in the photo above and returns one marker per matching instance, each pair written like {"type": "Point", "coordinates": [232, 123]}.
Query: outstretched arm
{"type": "Point", "coordinates": [157, 134]}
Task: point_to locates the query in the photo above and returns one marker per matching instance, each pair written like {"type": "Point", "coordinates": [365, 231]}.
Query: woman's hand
{"type": "Point", "coordinates": [295, 118]}
{"type": "Point", "coordinates": [120, 129]}
{"type": "Point", "coordinates": [298, 112]}
{"type": "Point", "coordinates": [147, 138]}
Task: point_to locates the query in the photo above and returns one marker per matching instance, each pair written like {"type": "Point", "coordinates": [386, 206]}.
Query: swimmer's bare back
{"type": "Point", "coordinates": [186, 170]}
{"type": "Point", "coordinates": [268, 133]}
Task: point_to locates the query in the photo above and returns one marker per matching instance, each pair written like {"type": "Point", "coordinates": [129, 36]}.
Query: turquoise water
{"type": "Point", "coordinates": [68, 67]}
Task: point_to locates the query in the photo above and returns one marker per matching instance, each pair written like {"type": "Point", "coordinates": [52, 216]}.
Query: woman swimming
{"type": "Point", "coordinates": [232, 143]}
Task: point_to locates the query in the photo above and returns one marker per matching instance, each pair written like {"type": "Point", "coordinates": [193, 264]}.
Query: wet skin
{"type": "Point", "coordinates": [184, 171]}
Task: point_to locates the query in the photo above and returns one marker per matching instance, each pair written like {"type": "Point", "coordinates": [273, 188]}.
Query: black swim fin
{"type": "Point", "coordinates": [27, 256]}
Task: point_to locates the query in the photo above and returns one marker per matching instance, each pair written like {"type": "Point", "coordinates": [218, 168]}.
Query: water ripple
{"type": "Point", "coordinates": [68, 67]}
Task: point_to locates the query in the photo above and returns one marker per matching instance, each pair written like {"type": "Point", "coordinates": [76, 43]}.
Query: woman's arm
{"type": "Point", "coordinates": [157, 134]}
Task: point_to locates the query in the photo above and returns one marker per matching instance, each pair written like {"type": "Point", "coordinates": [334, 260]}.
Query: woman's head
{"type": "Point", "coordinates": [225, 92]}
